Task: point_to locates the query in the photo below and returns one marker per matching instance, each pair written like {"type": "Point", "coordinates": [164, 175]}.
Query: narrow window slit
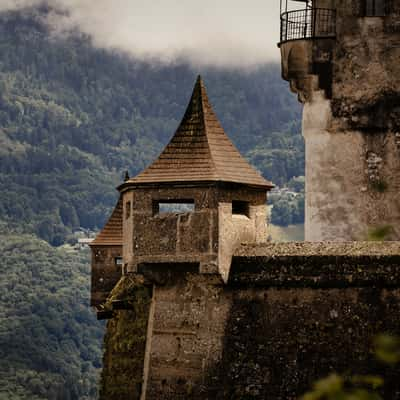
{"type": "Point", "coordinates": [127, 209]}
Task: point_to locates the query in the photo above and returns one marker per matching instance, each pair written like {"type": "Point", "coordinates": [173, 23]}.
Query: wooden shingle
{"type": "Point", "coordinates": [111, 234]}
{"type": "Point", "coordinates": [200, 151]}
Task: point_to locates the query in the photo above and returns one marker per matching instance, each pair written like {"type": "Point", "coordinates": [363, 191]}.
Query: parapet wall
{"type": "Point", "coordinates": [290, 313]}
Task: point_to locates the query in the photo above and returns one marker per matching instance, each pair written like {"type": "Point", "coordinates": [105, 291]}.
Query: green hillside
{"type": "Point", "coordinates": [50, 341]}
{"type": "Point", "coordinates": [73, 118]}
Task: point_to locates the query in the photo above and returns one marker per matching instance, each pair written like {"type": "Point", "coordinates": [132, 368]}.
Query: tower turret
{"type": "Point", "coordinates": [191, 207]}
{"type": "Point", "coordinates": [197, 201]}
{"type": "Point", "coordinates": [341, 58]}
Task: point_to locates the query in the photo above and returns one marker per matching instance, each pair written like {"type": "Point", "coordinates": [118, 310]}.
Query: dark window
{"type": "Point", "coordinates": [118, 261]}
{"type": "Point", "coordinates": [173, 206]}
{"type": "Point", "coordinates": [241, 208]}
{"type": "Point", "coordinates": [376, 8]}
{"type": "Point", "coordinates": [127, 209]}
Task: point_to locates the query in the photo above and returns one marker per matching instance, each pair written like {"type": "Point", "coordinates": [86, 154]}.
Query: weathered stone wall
{"type": "Point", "coordinates": [207, 235]}
{"type": "Point", "coordinates": [353, 162]}
{"type": "Point", "coordinates": [289, 314]}
{"type": "Point", "coordinates": [352, 179]}
{"type": "Point", "coordinates": [105, 272]}
{"type": "Point", "coordinates": [125, 342]}
{"type": "Point", "coordinates": [366, 72]}
{"type": "Point", "coordinates": [350, 88]}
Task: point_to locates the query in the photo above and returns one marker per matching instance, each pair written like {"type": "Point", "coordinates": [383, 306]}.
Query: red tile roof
{"type": "Point", "coordinates": [200, 151]}
{"type": "Point", "coordinates": [111, 234]}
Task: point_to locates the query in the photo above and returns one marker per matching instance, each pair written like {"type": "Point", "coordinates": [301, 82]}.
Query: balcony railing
{"type": "Point", "coordinates": [307, 24]}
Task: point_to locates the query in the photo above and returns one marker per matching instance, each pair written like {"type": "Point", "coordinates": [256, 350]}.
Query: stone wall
{"type": "Point", "coordinates": [206, 235]}
{"type": "Point", "coordinates": [352, 179]}
{"type": "Point", "coordinates": [290, 313]}
{"type": "Point", "coordinates": [122, 375]}
{"type": "Point", "coordinates": [106, 272]}
{"type": "Point", "coordinates": [350, 88]}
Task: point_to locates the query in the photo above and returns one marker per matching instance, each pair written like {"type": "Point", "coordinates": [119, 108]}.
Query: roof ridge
{"type": "Point", "coordinates": [204, 97]}
{"type": "Point", "coordinates": [200, 150]}
{"type": "Point", "coordinates": [111, 234]}
{"type": "Point", "coordinates": [206, 105]}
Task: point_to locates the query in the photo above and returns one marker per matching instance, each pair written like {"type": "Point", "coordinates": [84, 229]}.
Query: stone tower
{"type": "Point", "coordinates": [342, 59]}
{"type": "Point", "coordinates": [107, 257]}
{"type": "Point", "coordinates": [191, 207]}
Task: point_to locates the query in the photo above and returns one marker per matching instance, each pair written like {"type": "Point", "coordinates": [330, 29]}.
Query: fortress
{"type": "Point", "coordinates": [199, 304]}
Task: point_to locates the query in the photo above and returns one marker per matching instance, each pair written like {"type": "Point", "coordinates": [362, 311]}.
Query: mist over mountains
{"type": "Point", "coordinates": [225, 33]}
{"type": "Point", "coordinates": [74, 117]}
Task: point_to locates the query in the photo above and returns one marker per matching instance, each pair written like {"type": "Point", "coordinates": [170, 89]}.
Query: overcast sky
{"type": "Point", "coordinates": [216, 32]}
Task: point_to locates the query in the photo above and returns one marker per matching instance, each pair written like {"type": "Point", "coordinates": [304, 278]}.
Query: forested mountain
{"type": "Point", "coordinates": [50, 341]}
{"type": "Point", "coordinates": [74, 117]}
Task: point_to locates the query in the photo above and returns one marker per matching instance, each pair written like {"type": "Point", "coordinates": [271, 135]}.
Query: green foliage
{"type": "Point", "coordinates": [288, 206]}
{"type": "Point", "coordinates": [380, 233]}
{"type": "Point", "coordinates": [73, 118]}
{"type": "Point", "coordinates": [297, 184]}
{"type": "Point", "coordinates": [50, 341]}
{"type": "Point", "coordinates": [280, 155]}
{"type": "Point", "coordinates": [387, 349]}
{"type": "Point", "coordinates": [334, 387]}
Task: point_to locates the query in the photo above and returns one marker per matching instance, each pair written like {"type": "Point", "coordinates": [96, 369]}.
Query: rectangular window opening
{"type": "Point", "coordinates": [241, 208]}
{"type": "Point", "coordinates": [127, 209]}
{"type": "Point", "coordinates": [173, 206]}
{"type": "Point", "coordinates": [376, 8]}
{"type": "Point", "coordinates": [118, 261]}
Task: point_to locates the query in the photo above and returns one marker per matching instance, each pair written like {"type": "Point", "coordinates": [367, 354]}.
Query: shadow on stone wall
{"type": "Point", "coordinates": [278, 342]}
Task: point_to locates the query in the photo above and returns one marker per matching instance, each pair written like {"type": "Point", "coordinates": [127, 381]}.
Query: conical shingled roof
{"type": "Point", "coordinates": [200, 151]}
{"type": "Point", "coordinates": [111, 234]}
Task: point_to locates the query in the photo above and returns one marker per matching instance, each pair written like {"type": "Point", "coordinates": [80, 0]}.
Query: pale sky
{"type": "Point", "coordinates": [235, 33]}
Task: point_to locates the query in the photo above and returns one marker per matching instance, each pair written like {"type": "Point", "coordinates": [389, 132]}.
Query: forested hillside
{"type": "Point", "coordinates": [50, 341]}
{"type": "Point", "coordinates": [73, 118]}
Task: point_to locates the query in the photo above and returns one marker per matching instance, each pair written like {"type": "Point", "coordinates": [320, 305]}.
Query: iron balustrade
{"type": "Point", "coordinates": [307, 24]}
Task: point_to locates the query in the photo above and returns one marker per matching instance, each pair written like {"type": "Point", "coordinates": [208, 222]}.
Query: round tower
{"type": "Point", "coordinates": [342, 59]}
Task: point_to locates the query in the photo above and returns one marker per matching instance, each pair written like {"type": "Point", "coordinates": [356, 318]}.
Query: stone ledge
{"type": "Point", "coordinates": [322, 265]}
{"type": "Point", "coordinates": [318, 249]}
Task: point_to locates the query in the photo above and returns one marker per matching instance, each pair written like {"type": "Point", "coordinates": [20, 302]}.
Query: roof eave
{"type": "Point", "coordinates": [136, 185]}
{"type": "Point", "coordinates": [105, 244]}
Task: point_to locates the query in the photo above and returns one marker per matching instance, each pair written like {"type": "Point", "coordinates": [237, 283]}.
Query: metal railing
{"type": "Point", "coordinates": [307, 24]}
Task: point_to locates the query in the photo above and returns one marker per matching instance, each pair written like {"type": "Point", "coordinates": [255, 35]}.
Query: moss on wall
{"type": "Point", "coordinates": [125, 341]}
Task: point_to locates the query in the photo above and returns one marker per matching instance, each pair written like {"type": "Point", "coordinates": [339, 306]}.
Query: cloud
{"type": "Point", "coordinates": [233, 33]}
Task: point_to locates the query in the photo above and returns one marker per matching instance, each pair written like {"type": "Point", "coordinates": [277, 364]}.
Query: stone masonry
{"type": "Point", "coordinates": [350, 87]}
{"type": "Point", "coordinates": [289, 314]}
{"type": "Point", "coordinates": [200, 306]}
